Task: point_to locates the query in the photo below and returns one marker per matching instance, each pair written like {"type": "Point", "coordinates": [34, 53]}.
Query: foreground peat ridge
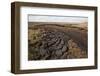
{"type": "Point", "coordinates": [53, 41]}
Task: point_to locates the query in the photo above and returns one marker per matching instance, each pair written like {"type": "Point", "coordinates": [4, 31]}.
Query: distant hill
{"type": "Point", "coordinates": [85, 24]}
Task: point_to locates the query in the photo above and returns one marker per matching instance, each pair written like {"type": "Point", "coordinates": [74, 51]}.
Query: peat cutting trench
{"type": "Point", "coordinates": [57, 42]}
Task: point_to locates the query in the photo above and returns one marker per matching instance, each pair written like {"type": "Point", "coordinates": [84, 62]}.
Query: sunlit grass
{"type": "Point", "coordinates": [34, 35]}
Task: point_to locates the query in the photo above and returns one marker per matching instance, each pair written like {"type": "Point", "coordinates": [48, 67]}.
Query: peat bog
{"type": "Point", "coordinates": [56, 41]}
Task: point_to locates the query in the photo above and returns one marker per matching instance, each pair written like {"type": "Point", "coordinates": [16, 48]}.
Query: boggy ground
{"type": "Point", "coordinates": [53, 41]}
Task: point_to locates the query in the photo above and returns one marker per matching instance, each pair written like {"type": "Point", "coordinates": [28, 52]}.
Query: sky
{"type": "Point", "coordinates": [61, 19]}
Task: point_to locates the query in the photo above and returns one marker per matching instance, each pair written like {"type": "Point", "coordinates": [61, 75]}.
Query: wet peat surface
{"type": "Point", "coordinates": [49, 42]}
